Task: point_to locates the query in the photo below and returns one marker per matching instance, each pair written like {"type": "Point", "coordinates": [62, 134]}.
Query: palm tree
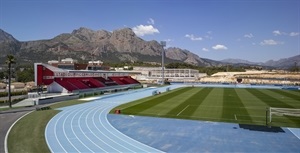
{"type": "Point", "coordinates": [10, 59]}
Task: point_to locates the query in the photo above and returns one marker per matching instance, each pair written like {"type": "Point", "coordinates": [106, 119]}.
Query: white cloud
{"type": "Point", "coordinates": [294, 34]}
{"type": "Point", "coordinates": [142, 30]}
{"type": "Point", "coordinates": [205, 49]}
{"type": "Point", "coordinates": [250, 35]}
{"type": "Point", "coordinates": [219, 47]}
{"type": "Point", "coordinates": [192, 37]}
{"type": "Point", "coordinates": [277, 33]}
{"type": "Point", "coordinates": [270, 42]}
{"type": "Point", "coordinates": [168, 40]}
{"type": "Point", "coordinates": [150, 21]}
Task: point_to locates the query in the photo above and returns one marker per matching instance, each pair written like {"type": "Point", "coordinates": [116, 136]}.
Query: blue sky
{"type": "Point", "coordinates": [216, 29]}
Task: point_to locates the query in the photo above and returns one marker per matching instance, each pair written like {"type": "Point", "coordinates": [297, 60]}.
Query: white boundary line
{"type": "Point", "coordinates": [291, 129]}
{"type": "Point", "coordinates": [183, 110]}
{"type": "Point", "coordinates": [7, 133]}
{"type": "Point", "coordinates": [235, 117]}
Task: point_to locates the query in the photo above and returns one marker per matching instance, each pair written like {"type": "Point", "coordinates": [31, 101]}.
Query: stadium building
{"type": "Point", "coordinates": [172, 75]}
{"type": "Point", "coordinates": [60, 80]}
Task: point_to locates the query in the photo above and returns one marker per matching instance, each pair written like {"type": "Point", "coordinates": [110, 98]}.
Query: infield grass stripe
{"type": "Point", "coordinates": [195, 100]}
{"type": "Point", "coordinates": [233, 106]}
{"type": "Point", "coordinates": [136, 109]}
{"type": "Point", "coordinates": [287, 94]}
{"type": "Point", "coordinates": [273, 102]}
{"type": "Point", "coordinates": [194, 103]}
{"type": "Point", "coordinates": [164, 107]}
{"type": "Point", "coordinates": [268, 99]}
{"type": "Point", "coordinates": [211, 107]}
{"type": "Point", "coordinates": [255, 107]}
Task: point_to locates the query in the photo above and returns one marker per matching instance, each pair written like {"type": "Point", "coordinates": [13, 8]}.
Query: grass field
{"type": "Point", "coordinates": [237, 105]}
{"type": "Point", "coordinates": [28, 134]}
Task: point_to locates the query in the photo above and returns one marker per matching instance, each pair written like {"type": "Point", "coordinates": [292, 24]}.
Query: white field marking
{"type": "Point", "coordinates": [296, 134]}
{"type": "Point", "coordinates": [235, 117]}
{"type": "Point", "coordinates": [7, 133]}
{"type": "Point", "coordinates": [183, 110]}
{"type": "Point", "coordinates": [251, 107]}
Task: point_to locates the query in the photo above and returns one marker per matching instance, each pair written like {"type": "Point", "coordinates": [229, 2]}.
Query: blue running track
{"type": "Point", "coordinates": [85, 127]}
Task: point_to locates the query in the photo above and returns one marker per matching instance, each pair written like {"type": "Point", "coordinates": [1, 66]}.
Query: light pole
{"type": "Point", "coordinates": [163, 44]}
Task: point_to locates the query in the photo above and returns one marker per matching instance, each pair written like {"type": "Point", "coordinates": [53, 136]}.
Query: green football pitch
{"type": "Point", "coordinates": [235, 105]}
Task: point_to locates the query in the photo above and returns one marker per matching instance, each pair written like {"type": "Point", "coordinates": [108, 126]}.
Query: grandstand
{"type": "Point", "coordinates": [60, 80]}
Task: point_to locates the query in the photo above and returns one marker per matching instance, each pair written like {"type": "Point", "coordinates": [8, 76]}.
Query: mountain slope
{"type": "Point", "coordinates": [8, 45]}
{"type": "Point", "coordinates": [86, 44]}
{"type": "Point", "coordinates": [284, 63]}
{"type": "Point", "coordinates": [120, 45]}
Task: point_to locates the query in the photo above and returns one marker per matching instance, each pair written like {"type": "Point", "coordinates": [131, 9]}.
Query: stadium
{"type": "Point", "coordinates": [173, 118]}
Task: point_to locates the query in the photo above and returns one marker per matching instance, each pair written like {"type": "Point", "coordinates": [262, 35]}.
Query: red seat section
{"type": "Point", "coordinates": [123, 80]}
{"type": "Point", "coordinates": [78, 83]}
{"type": "Point", "coordinates": [107, 82]}
{"type": "Point", "coordinates": [118, 80]}
{"type": "Point", "coordinates": [91, 82]}
{"type": "Point", "coordinates": [131, 80]}
{"type": "Point", "coordinates": [64, 83]}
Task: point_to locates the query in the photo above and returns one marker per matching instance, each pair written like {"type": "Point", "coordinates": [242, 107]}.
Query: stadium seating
{"type": "Point", "coordinates": [72, 84]}
{"type": "Point", "coordinates": [65, 84]}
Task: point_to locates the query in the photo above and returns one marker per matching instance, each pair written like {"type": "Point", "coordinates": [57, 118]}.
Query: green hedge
{"type": "Point", "coordinates": [5, 94]}
{"type": "Point", "coordinates": [5, 102]}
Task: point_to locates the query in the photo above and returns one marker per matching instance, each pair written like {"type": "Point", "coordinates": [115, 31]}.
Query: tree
{"type": "Point", "coordinates": [10, 59]}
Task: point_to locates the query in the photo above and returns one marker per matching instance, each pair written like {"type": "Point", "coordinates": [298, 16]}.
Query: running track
{"type": "Point", "coordinates": [85, 128]}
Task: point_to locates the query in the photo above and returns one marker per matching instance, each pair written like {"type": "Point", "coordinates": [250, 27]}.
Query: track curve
{"type": "Point", "coordinates": [85, 127]}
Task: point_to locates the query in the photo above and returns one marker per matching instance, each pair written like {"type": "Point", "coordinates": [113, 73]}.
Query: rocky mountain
{"type": "Point", "coordinates": [86, 44]}
{"type": "Point", "coordinates": [189, 57]}
{"type": "Point", "coordinates": [284, 63]}
{"type": "Point", "coordinates": [119, 45]}
{"type": "Point", "coordinates": [8, 44]}
{"type": "Point", "coordinates": [238, 61]}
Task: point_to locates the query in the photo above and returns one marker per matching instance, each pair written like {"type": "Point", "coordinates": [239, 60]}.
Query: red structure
{"type": "Point", "coordinates": [62, 80]}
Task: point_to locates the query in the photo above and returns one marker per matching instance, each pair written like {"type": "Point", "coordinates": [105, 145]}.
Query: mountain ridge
{"type": "Point", "coordinates": [116, 46]}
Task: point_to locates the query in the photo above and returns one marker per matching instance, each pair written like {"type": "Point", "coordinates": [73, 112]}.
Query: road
{"type": "Point", "coordinates": [7, 118]}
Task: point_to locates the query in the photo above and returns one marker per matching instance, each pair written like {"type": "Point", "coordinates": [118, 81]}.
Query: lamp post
{"type": "Point", "coordinates": [163, 44]}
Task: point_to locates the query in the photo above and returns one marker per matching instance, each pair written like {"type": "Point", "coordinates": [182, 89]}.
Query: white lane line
{"type": "Point", "coordinates": [81, 132]}
{"type": "Point", "coordinates": [109, 131]}
{"type": "Point", "coordinates": [129, 138]}
{"type": "Point", "coordinates": [64, 131]}
{"type": "Point", "coordinates": [90, 131]}
{"type": "Point", "coordinates": [55, 134]}
{"type": "Point", "coordinates": [135, 95]}
{"type": "Point", "coordinates": [183, 110]}
{"type": "Point", "coordinates": [94, 117]}
{"type": "Point", "coordinates": [75, 133]}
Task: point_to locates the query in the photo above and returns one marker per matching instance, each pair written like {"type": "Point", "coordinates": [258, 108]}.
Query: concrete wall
{"type": "Point", "coordinates": [48, 100]}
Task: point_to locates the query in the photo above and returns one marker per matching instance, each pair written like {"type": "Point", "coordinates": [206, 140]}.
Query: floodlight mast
{"type": "Point", "coordinates": [163, 44]}
{"type": "Point", "coordinates": [93, 55]}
